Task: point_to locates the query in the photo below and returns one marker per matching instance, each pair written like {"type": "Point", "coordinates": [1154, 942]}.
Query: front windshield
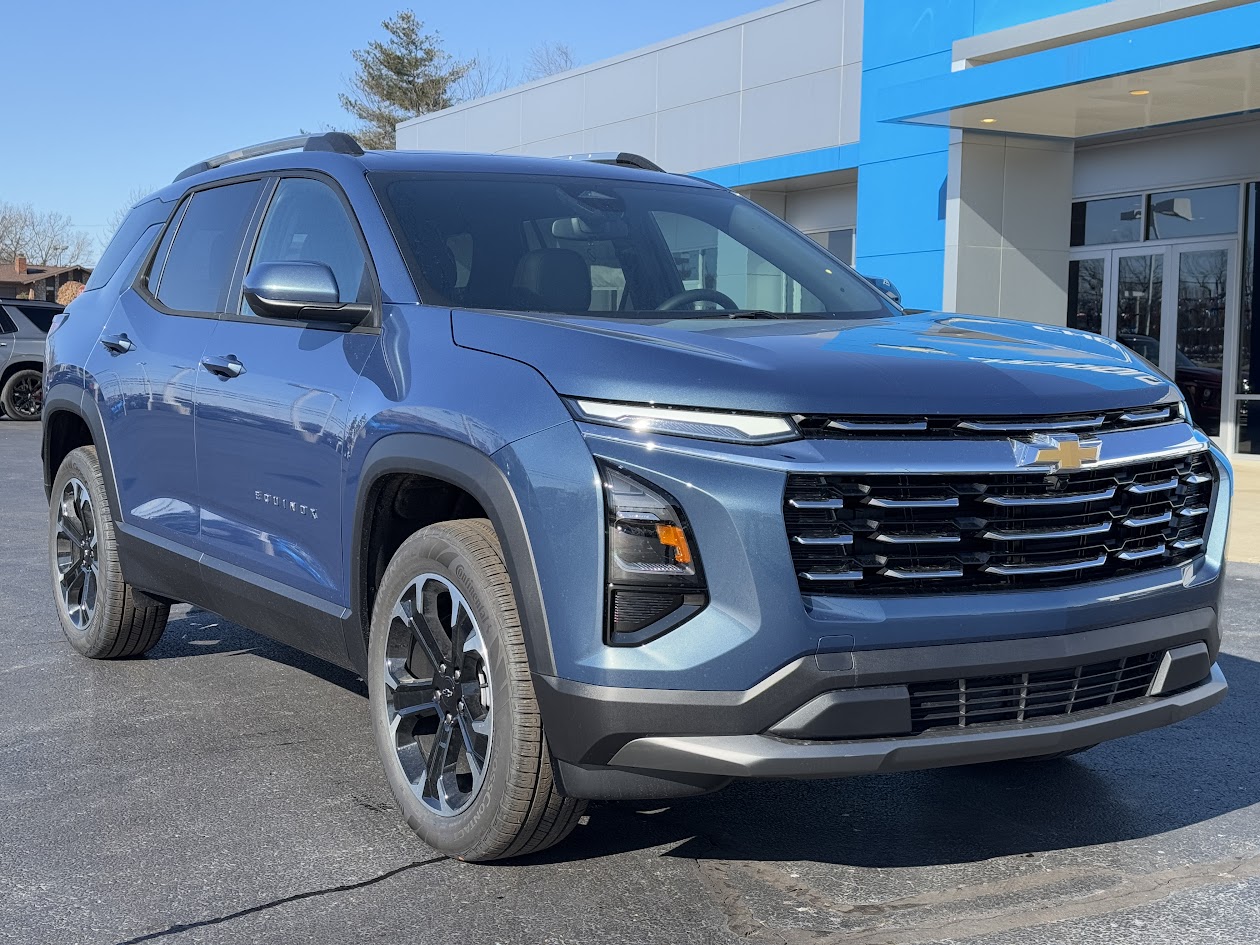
{"type": "Point", "coordinates": [611, 248]}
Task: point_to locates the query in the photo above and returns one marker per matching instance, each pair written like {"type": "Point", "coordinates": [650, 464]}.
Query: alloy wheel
{"type": "Point", "coordinates": [437, 677]}
{"type": "Point", "coordinates": [78, 568]}
{"type": "Point", "coordinates": [28, 397]}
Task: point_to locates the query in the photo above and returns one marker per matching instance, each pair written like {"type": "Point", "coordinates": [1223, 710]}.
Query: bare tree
{"type": "Point", "coordinates": [548, 58]}
{"type": "Point", "coordinates": [486, 75]}
{"type": "Point", "coordinates": [44, 238]}
{"type": "Point", "coordinates": [134, 196]}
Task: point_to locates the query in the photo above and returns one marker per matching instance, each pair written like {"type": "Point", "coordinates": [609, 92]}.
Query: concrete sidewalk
{"type": "Point", "coordinates": [1244, 524]}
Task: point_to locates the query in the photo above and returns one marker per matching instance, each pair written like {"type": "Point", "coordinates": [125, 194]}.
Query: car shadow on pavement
{"type": "Point", "coordinates": [1138, 787]}
{"type": "Point", "coordinates": [201, 633]}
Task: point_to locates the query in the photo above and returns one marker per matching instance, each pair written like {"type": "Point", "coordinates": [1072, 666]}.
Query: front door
{"type": "Point", "coordinates": [272, 415]}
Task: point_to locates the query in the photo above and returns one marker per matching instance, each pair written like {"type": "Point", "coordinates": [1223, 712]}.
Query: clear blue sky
{"type": "Point", "coordinates": [117, 96]}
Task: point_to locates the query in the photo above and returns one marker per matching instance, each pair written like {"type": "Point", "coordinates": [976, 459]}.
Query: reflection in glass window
{"type": "Point", "coordinates": [838, 242]}
{"type": "Point", "coordinates": [1249, 426]}
{"type": "Point", "coordinates": [1249, 335]}
{"type": "Point", "coordinates": [1205, 211]}
{"type": "Point", "coordinates": [1085, 294]}
{"type": "Point", "coordinates": [1140, 303]}
{"type": "Point", "coordinates": [1113, 220]}
{"type": "Point", "coordinates": [308, 223]}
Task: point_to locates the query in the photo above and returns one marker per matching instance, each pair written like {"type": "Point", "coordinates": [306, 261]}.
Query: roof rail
{"type": "Point", "coordinates": [336, 141]}
{"type": "Point", "coordinates": [621, 158]}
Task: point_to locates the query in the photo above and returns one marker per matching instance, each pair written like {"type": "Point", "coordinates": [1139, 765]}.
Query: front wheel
{"type": "Point", "coordinates": [454, 715]}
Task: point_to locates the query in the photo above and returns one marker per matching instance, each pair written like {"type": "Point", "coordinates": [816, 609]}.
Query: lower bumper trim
{"type": "Point", "coordinates": [763, 756]}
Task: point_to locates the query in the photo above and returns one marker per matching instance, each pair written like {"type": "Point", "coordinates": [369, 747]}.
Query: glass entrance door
{"type": "Point", "coordinates": [1174, 304]}
{"type": "Point", "coordinates": [1198, 319]}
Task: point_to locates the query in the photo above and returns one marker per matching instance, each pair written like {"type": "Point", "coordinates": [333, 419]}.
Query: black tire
{"type": "Point", "coordinates": [23, 395]}
{"type": "Point", "coordinates": [517, 808]}
{"type": "Point", "coordinates": [123, 622]}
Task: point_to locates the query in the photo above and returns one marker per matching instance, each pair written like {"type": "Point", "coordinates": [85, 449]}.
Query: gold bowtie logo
{"type": "Point", "coordinates": [1060, 452]}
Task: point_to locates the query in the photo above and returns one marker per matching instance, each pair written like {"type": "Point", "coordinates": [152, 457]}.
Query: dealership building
{"type": "Point", "coordinates": [1075, 162]}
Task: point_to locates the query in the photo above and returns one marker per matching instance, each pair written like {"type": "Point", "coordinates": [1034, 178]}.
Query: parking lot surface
{"type": "Point", "coordinates": [224, 789]}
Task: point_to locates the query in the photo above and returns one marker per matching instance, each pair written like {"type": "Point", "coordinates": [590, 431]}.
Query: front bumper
{"type": "Point", "coordinates": [616, 742]}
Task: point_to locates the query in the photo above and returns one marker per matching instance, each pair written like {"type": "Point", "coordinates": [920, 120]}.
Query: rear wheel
{"type": "Point", "coordinates": [102, 615]}
{"type": "Point", "coordinates": [23, 395]}
{"type": "Point", "coordinates": [453, 710]}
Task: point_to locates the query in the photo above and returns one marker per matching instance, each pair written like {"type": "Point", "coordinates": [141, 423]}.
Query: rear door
{"type": "Point", "coordinates": [144, 368]}
{"type": "Point", "coordinates": [271, 435]}
{"type": "Point", "coordinates": [8, 338]}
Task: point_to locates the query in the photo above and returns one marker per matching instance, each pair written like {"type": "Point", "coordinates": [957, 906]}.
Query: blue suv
{"type": "Point", "coordinates": [612, 485]}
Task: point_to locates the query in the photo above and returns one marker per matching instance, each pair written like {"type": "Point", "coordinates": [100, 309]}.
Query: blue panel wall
{"type": "Point", "coordinates": [903, 169]}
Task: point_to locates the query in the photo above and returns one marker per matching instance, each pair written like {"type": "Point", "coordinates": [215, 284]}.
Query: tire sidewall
{"type": "Point", "coordinates": [463, 834]}
{"type": "Point", "coordinates": [81, 464]}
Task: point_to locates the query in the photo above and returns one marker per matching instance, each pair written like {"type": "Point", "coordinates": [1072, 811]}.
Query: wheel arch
{"type": "Point", "coordinates": [449, 462]}
{"type": "Point", "coordinates": [70, 421]}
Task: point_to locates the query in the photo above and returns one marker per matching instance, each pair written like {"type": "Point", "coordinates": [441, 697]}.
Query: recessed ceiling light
{"type": "Point", "coordinates": [1140, 92]}
{"type": "Point", "coordinates": [988, 121]}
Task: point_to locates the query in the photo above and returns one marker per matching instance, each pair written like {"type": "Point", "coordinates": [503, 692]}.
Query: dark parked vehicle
{"type": "Point", "coordinates": [1201, 386]}
{"type": "Point", "coordinates": [23, 327]}
{"type": "Point", "coordinates": [613, 485]}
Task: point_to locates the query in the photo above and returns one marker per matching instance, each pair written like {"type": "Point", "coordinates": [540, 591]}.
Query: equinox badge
{"type": "Point", "coordinates": [1060, 451]}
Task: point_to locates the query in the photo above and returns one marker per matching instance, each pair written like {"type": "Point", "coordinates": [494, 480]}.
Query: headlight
{"type": "Point", "coordinates": [655, 580]}
{"type": "Point", "coordinates": [678, 421]}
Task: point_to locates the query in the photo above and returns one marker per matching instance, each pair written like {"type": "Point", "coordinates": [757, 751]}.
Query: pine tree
{"type": "Point", "coordinates": [406, 75]}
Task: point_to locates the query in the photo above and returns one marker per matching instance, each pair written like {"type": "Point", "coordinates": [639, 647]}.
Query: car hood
{"type": "Point", "coordinates": [926, 363]}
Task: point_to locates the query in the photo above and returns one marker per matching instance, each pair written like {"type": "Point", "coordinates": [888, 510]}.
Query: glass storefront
{"type": "Point", "coordinates": [1247, 417]}
{"type": "Point", "coordinates": [1163, 274]}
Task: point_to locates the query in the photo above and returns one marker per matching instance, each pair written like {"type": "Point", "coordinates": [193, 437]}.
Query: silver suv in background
{"type": "Point", "coordinates": [23, 328]}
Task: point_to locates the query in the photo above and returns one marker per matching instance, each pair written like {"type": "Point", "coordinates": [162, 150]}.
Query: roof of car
{"type": "Point", "coordinates": [28, 303]}
{"type": "Point", "coordinates": [425, 161]}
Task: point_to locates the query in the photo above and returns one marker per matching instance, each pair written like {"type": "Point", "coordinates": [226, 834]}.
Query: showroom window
{"type": "Point", "coordinates": [1248, 411]}
{"type": "Point", "coordinates": [1173, 214]}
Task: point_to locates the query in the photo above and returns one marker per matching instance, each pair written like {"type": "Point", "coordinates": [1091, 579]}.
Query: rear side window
{"type": "Point", "coordinates": [6, 324]}
{"type": "Point", "coordinates": [41, 318]}
{"type": "Point", "coordinates": [125, 238]}
{"type": "Point", "coordinates": [307, 222]}
{"type": "Point", "coordinates": [196, 272]}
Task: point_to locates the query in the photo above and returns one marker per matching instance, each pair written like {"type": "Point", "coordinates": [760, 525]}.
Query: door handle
{"type": "Point", "coordinates": [117, 344]}
{"type": "Point", "coordinates": [226, 367]}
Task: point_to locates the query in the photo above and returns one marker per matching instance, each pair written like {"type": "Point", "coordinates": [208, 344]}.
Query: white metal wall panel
{"type": "Point", "coordinates": [777, 81]}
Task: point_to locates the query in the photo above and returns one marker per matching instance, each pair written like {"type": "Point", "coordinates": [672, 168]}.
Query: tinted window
{"type": "Point", "coordinates": [41, 318]}
{"type": "Point", "coordinates": [205, 248]}
{"type": "Point", "coordinates": [1205, 211]}
{"type": "Point", "coordinates": [1113, 220]}
{"type": "Point", "coordinates": [124, 240]}
{"type": "Point", "coordinates": [6, 323]}
{"type": "Point", "coordinates": [614, 247]}
{"type": "Point", "coordinates": [307, 222]}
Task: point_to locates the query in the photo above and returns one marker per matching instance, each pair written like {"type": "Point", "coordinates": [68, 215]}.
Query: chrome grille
{"type": "Point", "coordinates": [823, 426]}
{"type": "Point", "coordinates": [1021, 697]}
{"type": "Point", "coordinates": [957, 533]}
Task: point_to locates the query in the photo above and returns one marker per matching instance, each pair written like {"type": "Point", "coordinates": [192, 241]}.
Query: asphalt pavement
{"type": "Point", "coordinates": [225, 789]}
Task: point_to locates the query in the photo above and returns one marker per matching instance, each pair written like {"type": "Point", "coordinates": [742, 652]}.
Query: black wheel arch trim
{"type": "Point", "coordinates": [475, 472]}
{"type": "Point", "coordinates": [73, 399]}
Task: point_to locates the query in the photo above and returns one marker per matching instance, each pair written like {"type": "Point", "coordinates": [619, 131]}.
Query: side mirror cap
{"type": "Point", "coordinates": [299, 290]}
{"type": "Point", "coordinates": [886, 286]}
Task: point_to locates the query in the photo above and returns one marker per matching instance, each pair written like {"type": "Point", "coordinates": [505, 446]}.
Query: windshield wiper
{"type": "Point", "coordinates": [757, 313]}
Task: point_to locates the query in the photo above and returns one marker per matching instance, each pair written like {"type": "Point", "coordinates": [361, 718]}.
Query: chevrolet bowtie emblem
{"type": "Point", "coordinates": [1060, 451]}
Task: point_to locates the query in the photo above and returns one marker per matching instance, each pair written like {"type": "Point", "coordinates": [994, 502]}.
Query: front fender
{"type": "Point", "coordinates": [481, 477]}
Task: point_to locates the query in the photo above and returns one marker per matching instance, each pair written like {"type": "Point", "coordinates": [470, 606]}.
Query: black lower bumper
{"type": "Point", "coordinates": [620, 742]}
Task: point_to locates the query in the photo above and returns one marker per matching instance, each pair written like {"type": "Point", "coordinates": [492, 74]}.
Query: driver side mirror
{"type": "Point", "coordinates": [299, 290]}
{"type": "Point", "coordinates": [886, 286]}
